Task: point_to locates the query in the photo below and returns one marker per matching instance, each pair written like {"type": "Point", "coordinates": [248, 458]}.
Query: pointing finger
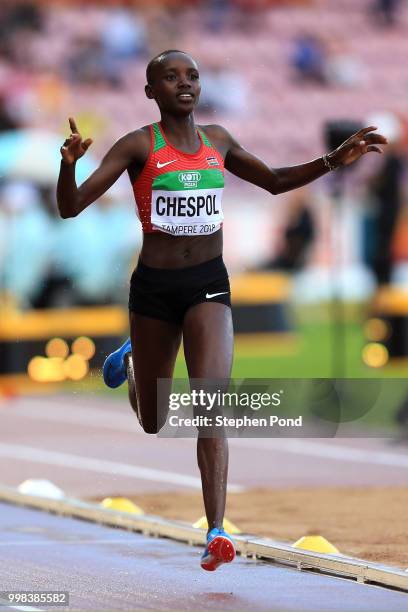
{"type": "Point", "coordinates": [73, 126]}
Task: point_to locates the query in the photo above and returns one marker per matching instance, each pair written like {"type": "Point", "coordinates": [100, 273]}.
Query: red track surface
{"type": "Point", "coordinates": [91, 446]}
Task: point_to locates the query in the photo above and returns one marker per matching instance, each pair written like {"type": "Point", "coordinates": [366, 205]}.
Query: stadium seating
{"type": "Point", "coordinates": [283, 122]}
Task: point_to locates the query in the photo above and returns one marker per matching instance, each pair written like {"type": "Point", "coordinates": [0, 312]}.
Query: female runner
{"type": "Point", "coordinates": [180, 288]}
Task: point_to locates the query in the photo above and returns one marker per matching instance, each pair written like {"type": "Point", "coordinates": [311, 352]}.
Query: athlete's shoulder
{"type": "Point", "coordinates": [139, 136]}
{"type": "Point", "coordinates": [220, 138]}
{"type": "Point", "coordinates": [216, 132]}
{"type": "Point", "coordinates": [136, 143]}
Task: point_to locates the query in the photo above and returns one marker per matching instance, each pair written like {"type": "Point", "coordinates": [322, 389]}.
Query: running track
{"type": "Point", "coordinates": [91, 446]}
{"type": "Point", "coordinates": [109, 569]}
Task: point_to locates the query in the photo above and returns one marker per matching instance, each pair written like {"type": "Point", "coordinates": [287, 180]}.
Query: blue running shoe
{"type": "Point", "coordinates": [114, 368]}
{"type": "Point", "coordinates": [220, 549]}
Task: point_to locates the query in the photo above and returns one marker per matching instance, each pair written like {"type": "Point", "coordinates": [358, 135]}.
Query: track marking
{"type": "Point", "coordinates": [96, 418]}
{"type": "Point", "coordinates": [108, 419]}
{"type": "Point", "coordinates": [90, 464]}
{"type": "Point", "coordinates": [327, 451]}
{"type": "Point", "coordinates": [59, 542]}
{"type": "Point", "coordinates": [6, 604]}
{"type": "Point", "coordinates": [85, 416]}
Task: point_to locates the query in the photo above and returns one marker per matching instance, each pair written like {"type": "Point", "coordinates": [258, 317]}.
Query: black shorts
{"type": "Point", "coordinates": [168, 294]}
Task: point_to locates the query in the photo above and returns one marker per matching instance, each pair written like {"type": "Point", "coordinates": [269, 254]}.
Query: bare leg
{"type": "Point", "coordinates": [208, 348]}
{"type": "Point", "coordinates": [155, 344]}
{"type": "Point", "coordinates": [132, 386]}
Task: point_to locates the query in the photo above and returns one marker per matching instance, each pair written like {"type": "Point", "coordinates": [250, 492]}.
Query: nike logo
{"type": "Point", "coordinates": [211, 295]}
{"type": "Point", "coordinates": [159, 165]}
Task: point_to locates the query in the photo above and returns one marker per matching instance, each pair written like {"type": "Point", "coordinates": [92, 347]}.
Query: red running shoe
{"type": "Point", "coordinates": [220, 549]}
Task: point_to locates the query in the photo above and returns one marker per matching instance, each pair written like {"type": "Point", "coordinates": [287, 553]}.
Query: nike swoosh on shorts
{"type": "Point", "coordinates": [211, 295]}
{"type": "Point", "coordinates": [159, 165]}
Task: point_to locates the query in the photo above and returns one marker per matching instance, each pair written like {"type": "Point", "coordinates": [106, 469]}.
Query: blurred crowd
{"type": "Point", "coordinates": [267, 71]}
{"type": "Point", "coordinates": [49, 262]}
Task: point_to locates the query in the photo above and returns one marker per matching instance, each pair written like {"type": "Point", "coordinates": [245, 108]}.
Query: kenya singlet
{"type": "Point", "coordinates": [180, 193]}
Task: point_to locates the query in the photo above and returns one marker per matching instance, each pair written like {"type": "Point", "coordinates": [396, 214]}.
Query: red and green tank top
{"type": "Point", "coordinates": [180, 193]}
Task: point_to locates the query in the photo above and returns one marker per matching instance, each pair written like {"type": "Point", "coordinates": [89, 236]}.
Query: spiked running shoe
{"type": "Point", "coordinates": [114, 368]}
{"type": "Point", "coordinates": [220, 549]}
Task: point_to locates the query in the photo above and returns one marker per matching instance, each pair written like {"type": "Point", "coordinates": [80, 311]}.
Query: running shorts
{"type": "Point", "coordinates": [167, 294]}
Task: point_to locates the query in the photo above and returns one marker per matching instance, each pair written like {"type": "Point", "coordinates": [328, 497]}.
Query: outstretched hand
{"type": "Point", "coordinates": [74, 147]}
{"type": "Point", "coordinates": [362, 142]}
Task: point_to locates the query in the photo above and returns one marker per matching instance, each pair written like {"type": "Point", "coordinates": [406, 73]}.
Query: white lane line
{"type": "Point", "coordinates": [58, 542]}
{"type": "Point", "coordinates": [326, 451]}
{"type": "Point", "coordinates": [94, 417]}
{"type": "Point", "coordinates": [90, 464]}
{"type": "Point", "coordinates": [5, 603]}
{"type": "Point", "coordinates": [27, 609]}
{"type": "Point", "coordinates": [86, 417]}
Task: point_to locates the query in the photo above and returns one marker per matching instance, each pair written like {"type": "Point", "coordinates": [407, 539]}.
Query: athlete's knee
{"type": "Point", "coordinates": [148, 426]}
{"type": "Point", "coordinates": [151, 420]}
{"type": "Point", "coordinates": [151, 427]}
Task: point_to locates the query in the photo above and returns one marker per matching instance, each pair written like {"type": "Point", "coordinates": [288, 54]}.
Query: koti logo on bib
{"type": "Point", "coordinates": [189, 179]}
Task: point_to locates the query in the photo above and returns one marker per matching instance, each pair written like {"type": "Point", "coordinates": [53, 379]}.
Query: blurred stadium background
{"type": "Point", "coordinates": [319, 276]}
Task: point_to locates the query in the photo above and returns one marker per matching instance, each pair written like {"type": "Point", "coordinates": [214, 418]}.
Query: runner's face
{"type": "Point", "coordinates": [176, 85]}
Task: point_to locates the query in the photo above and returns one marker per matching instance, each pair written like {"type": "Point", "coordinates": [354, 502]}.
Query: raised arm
{"type": "Point", "coordinates": [72, 199]}
{"type": "Point", "coordinates": [250, 168]}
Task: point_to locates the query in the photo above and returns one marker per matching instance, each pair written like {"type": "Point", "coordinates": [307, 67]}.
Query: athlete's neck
{"type": "Point", "coordinates": [181, 131]}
